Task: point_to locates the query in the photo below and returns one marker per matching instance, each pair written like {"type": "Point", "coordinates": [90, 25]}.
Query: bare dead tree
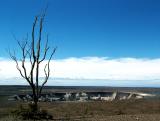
{"type": "Point", "coordinates": [32, 51]}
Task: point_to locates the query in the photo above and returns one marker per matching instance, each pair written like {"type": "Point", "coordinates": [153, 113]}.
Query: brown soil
{"type": "Point", "coordinates": [130, 110]}
{"type": "Point", "coordinates": [138, 117]}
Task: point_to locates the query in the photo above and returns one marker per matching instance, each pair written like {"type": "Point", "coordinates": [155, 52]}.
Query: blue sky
{"type": "Point", "coordinates": [112, 28]}
{"type": "Point", "coordinates": [121, 31]}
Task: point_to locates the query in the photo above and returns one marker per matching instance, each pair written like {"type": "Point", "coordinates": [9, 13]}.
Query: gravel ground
{"type": "Point", "coordinates": [139, 117]}
{"type": "Point", "coordinates": [142, 117]}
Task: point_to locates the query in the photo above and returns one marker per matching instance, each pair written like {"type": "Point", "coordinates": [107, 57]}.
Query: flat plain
{"type": "Point", "coordinates": [126, 110]}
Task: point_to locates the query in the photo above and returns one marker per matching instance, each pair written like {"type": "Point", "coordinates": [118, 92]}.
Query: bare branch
{"type": "Point", "coordinates": [38, 54]}
{"type": "Point", "coordinates": [45, 80]}
{"type": "Point", "coordinates": [29, 53]}
{"type": "Point", "coordinates": [45, 51]}
{"type": "Point", "coordinates": [17, 65]}
{"type": "Point", "coordinates": [32, 50]}
{"type": "Point", "coordinates": [47, 70]}
{"type": "Point", "coordinates": [33, 38]}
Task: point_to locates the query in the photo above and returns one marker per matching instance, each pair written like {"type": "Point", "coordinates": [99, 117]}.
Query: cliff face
{"type": "Point", "coordinates": [82, 96]}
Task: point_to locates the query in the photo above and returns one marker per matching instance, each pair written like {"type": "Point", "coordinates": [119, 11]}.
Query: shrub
{"type": "Point", "coordinates": [31, 112]}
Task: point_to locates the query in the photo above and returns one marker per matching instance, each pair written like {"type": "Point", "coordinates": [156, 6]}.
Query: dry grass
{"type": "Point", "coordinates": [138, 117]}
{"type": "Point", "coordinates": [95, 110]}
{"type": "Point", "coordinates": [89, 109]}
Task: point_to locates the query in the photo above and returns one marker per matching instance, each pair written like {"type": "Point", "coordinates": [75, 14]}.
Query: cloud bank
{"type": "Point", "coordinates": [91, 71]}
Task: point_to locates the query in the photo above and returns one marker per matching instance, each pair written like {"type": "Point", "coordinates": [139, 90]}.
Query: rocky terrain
{"type": "Point", "coordinates": [118, 110]}
{"type": "Point", "coordinates": [138, 117]}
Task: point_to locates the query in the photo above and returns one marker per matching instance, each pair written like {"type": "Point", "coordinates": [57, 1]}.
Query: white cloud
{"type": "Point", "coordinates": [124, 70]}
{"type": "Point", "coordinates": [110, 69]}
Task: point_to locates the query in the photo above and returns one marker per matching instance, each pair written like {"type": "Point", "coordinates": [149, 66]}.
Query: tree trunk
{"type": "Point", "coordinates": [35, 99]}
